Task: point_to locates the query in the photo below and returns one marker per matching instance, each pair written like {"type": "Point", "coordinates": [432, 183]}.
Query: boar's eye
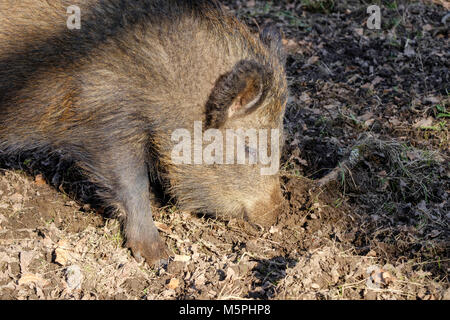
{"type": "Point", "coordinates": [251, 154]}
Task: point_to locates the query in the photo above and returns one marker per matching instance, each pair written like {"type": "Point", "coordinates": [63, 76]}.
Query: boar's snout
{"type": "Point", "coordinates": [265, 211]}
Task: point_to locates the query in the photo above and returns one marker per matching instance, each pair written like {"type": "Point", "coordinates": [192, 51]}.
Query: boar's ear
{"type": "Point", "coordinates": [272, 37]}
{"type": "Point", "coordinates": [237, 93]}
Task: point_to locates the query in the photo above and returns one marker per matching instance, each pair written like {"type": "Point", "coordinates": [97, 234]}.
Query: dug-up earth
{"type": "Point", "coordinates": [365, 174]}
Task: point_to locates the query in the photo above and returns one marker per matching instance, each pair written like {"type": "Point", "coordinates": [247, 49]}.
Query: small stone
{"type": "Point", "coordinates": [74, 277]}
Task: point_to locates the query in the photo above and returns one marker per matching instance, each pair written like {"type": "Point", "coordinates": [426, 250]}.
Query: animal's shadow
{"type": "Point", "coordinates": [60, 173]}
{"type": "Point", "coordinates": [269, 272]}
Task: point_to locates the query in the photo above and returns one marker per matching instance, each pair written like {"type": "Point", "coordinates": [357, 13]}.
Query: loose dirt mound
{"type": "Point", "coordinates": [365, 175]}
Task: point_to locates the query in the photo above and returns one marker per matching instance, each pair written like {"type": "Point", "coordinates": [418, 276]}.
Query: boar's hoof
{"type": "Point", "coordinates": [154, 253]}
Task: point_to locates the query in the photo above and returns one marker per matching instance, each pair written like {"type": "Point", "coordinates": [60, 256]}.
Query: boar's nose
{"type": "Point", "coordinates": [265, 211]}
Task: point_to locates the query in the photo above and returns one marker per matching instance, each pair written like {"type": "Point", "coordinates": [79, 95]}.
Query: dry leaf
{"type": "Point", "coordinates": [312, 60]}
{"type": "Point", "coordinates": [61, 254]}
{"type": "Point", "coordinates": [412, 155]}
{"type": "Point", "coordinates": [291, 45]}
{"type": "Point", "coordinates": [378, 277]}
{"type": "Point", "coordinates": [163, 227]}
{"type": "Point", "coordinates": [250, 3]}
{"type": "Point", "coordinates": [2, 217]}
{"type": "Point", "coordinates": [427, 27]}
{"type": "Point", "coordinates": [435, 233]}
{"type": "Point", "coordinates": [395, 121]}
{"type": "Point", "coordinates": [409, 51]}
{"type": "Point", "coordinates": [274, 229]}
{"type": "Point", "coordinates": [305, 97]}
{"type": "Point", "coordinates": [173, 284]}
{"type": "Point", "coordinates": [32, 278]}
{"type": "Point", "coordinates": [377, 80]}
{"type": "Point", "coordinates": [447, 294]}
{"type": "Point", "coordinates": [359, 31]}
{"type": "Point", "coordinates": [181, 258]}
{"type": "Point", "coordinates": [231, 274]}
{"type": "Point", "coordinates": [432, 99]}
{"type": "Point", "coordinates": [200, 280]}
{"type": "Point", "coordinates": [39, 180]}
{"type": "Point", "coordinates": [367, 85]}
{"type": "Point", "coordinates": [25, 259]}
{"type": "Point", "coordinates": [366, 116]}
{"type": "Point", "coordinates": [16, 197]}
{"type": "Point", "coordinates": [371, 253]}
{"type": "Point", "coordinates": [424, 123]}
{"type": "Point", "coordinates": [386, 277]}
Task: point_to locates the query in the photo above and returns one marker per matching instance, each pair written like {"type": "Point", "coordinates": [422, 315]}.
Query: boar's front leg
{"type": "Point", "coordinates": [123, 173]}
{"type": "Point", "coordinates": [140, 231]}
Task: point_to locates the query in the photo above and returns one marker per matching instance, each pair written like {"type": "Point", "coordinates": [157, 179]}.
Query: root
{"type": "Point", "coordinates": [416, 170]}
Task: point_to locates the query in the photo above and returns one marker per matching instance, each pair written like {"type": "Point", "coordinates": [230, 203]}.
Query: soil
{"type": "Point", "coordinates": [365, 173]}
